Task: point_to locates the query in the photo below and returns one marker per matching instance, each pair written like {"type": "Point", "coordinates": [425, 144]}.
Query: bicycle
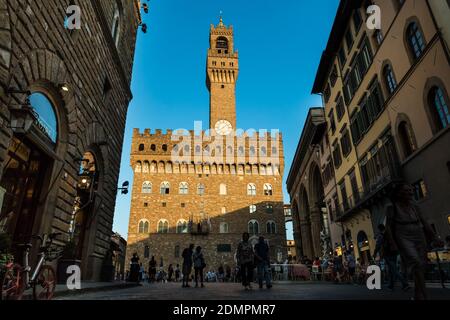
{"type": "Point", "coordinates": [17, 278]}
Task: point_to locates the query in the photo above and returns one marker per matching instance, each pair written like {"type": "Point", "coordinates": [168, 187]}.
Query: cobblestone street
{"type": "Point", "coordinates": [233, 291]}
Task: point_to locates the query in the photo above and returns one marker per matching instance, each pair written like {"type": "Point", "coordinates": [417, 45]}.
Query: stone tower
{"type": "Point", "coordinates": [207, 187]}
{"type": "Point", "coordinates": [222, 73]}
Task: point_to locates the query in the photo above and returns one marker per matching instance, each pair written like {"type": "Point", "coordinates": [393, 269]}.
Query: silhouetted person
{"type": "Point", "coordinates": [410, 233]}
{"type": "Point", "coordinates": [134, 268]}
{"type": "Point", "coordinates": [152, 270]}
{"type": "Point", "coordinates": [199, 265]}
{"type": "Point", "coordinates": [263, 263]}
{"type": "Point", "coordinates": [170, 273]}
{"type": "Point", "coordinates": [245, 258]}
{"type": "Point", "coordinates": [187, 265]}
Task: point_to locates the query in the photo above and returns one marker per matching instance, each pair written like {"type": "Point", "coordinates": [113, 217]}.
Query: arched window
{"type": "Point", "coordinates": [263, 151]}
{"type": "Point", "coordinates": [252, 151]}
{"type": "Point", "coordinates": [147, 187]}
{"type": "Point", "coordinates": [416, 41]}
{"type": "Point", "coordinates": [143, 226]}
{"type": "Point", "coordinates": [222, 43]}
{"type": "Point", "coordinates": [439, 108]}
{"type": "Point", "coordinates": [165, 187]}
{"type": "Point", "coordinates": [200, 189]}
{"type": "Point", "coordinates": [146, 167]}
{"type": "Point", "coordinates": [252, 208]}
{"type": "Point", "coordinates": [406, 138]}
{"type": "Point", "coordinates": [164, 147]}
{"type": "Point", "coordinates": [251, 189]}
{"type": "Point", "coordinates": [153, 147]}
{"type": "Point", "coordinates": [182, 226]}
{"type": "Point", "coordinates": [223, 189]}
{"type": "Point", "coordinates": [141, 147]}
{"type": "Point", "coordinates": [271, 227]}
{"type": "Point", "coordinates": [253, 227]}
{"type": "Point", "coordinates": [184, 188]}
{"type": "Point", "coordinates": [389, 78]}
{"type": "Point", "coordinates": [163, 226]}
{"type": "Point", "coordinates": [115, 31]}
{"type": "Point", "coordinates": [138, 167]}
{"type": "Point", "coordinates": [224, 227]}
{"type": "Point", "coordinates": [46, 116]}
{"type": "Point", "coordinates": [268, 189]}
{"type": "Point", "coordinates": [147, 252]}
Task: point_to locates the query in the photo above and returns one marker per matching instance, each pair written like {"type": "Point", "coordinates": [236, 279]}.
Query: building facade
{"type": "Point", "coordinates": [207, 187]}
{"type": "Point", "coordinates": [385, 95]}
{"type": "Point", "coordinates": [64, 96]}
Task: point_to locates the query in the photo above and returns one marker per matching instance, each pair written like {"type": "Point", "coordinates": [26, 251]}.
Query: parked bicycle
{"type": "Point", "coordinates": [17, 278]}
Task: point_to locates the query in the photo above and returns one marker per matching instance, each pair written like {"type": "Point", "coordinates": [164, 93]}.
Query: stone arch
{"type": "Point", "coordinates": [41, 70]}
{"type": "Point", "coordinates": [296, 227]}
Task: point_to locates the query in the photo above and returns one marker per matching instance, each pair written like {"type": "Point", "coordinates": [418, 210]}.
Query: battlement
{"type": "Point", "coordinates": [170, 134]}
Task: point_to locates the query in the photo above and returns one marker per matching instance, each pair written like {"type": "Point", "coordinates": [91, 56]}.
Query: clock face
{"type": "Point", "coordinates": [223, 127]}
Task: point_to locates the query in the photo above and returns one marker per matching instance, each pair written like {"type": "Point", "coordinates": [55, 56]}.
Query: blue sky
{"type": "Point", "coordinates": [280, 43]}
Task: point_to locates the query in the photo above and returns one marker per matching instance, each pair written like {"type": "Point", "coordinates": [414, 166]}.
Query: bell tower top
{"type": "Point", "coordinates": [222, 73]}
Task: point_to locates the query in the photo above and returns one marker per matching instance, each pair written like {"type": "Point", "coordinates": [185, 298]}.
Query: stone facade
{"type": "Point", "coordinates": [86, 76]}
{"type": "Point", "coordinates": [214, 181]}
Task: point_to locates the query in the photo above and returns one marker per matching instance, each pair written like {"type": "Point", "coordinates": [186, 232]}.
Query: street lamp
{"type": "Point", "coordinates": [124, 189]}
{"type": "Point", "coordinates": [22, 117]}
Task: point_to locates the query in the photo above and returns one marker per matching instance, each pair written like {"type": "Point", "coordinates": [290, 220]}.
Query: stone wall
{"type": "Point", "coordinates": [38, 54]}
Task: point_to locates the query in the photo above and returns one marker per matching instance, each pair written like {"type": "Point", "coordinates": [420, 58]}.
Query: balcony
{"type": "Point", "coordinates": [373, 190]}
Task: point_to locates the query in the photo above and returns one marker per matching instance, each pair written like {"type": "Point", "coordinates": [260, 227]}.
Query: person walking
{"type": "Point", "coordinates": [245, 258]}
{"type": "Point", "coordinates": [170, 273]}
{"type": "Point", "coordinates": [187, 265]}
{"type": "Point", "coordinates": [263, 263]}
{"type": "Point", "coordinates": [152, 270]}
{"type": "Point", "coordinates": [199, 266]}
{"type": "Point", "coordinates": [351, 263]}
{"type": "Point", "coordinates": [134, 268]}
{"type": "Point", "coordinates": [389, 252]}
{"type": "Point", "coordinates": [411, 232]}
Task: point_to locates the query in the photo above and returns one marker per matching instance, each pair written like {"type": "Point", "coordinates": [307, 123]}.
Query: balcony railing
{"type": "Point", "coordinates": [371, 188]}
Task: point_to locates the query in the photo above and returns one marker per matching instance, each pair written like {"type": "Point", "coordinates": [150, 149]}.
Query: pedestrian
{"type": "Point", "coordinates": [134, 268]}
{"type": "Point", "coordinates": [337, 267]}
{"type": "Point", "coordinates": [187, 265]}
{"type": "Point", "coordinates": [245, 258]}
{"type": "Point", "coordinates": [411, 232]}
{"type": "Point", "coordinates": [262, 257]}
{"type": "Point", "coordinates": [177, 273]}
{"type": "Point", "coordinates": [152, 270]}
{"type": "Point", "coordinates": [389, 252]}
{"type": "Point", "coordinates": [199, 266]}
{"type": "Point", "coordinates": [351, 264]}
{"type": "Point", "coordinates": [170, 273]}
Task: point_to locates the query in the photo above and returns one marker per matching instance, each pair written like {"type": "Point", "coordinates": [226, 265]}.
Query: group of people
{"type": "Point", "coordinates": [406, 237]}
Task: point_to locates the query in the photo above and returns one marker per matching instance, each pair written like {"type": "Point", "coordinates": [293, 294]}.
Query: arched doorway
{"type": "Point", "coordinates": [27, 175]}
{"type": "Point", "coordinates": [84, 206]}
{"type": "Point", "coordinates": [363, 247]}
